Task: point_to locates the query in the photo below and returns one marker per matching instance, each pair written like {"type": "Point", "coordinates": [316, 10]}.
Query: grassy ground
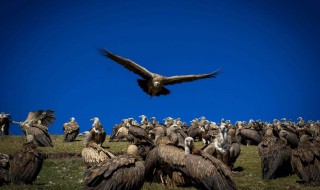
{"type": "Point", "coordinates": [68, 173]}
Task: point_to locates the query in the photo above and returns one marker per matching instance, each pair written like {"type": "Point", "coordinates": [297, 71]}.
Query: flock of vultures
{"type": "Point", "coordinates": [165, 153]}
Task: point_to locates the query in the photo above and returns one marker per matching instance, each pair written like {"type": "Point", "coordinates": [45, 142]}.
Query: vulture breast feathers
{"type": "Point", "coordinates": [205, 171]}
{"type": "Point", "coordinates": [152, 83]}
{"type": "Point", "coordinates": [123, 172]}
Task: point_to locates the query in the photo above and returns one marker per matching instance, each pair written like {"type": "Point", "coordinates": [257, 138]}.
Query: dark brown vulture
{"type": "Point", "coordinates": [94, 154]}
{"type": "Point", "coordinates": [153, 83]}
{"type": "Point", "coordinates": [71, 130]}
{"type": "Point", "coordinates": [275, 156]}
{"type": "Point", "coordinates": [124, 172]}
{"type": "Point", "coordinates": [4, 169]}
{"type": "Point", "coordinates": [235, 147]}
{"type": "Point", "coordinates": [96, 133]}
{"type": "Point", "coordinates": [306, 161]}
{"type": "Point", "coordinates": [26, 163]}
{"type": "Point", "coordinates": [249, 136]}
{"type": "Point", "coordinates": [4, 123]}
{"type": "Point", "coordinates": [205, 171]}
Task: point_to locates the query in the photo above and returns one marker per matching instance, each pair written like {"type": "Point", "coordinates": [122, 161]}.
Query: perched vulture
{"type": "Point", "coordinates": [275, 156]}
{"type": "Point", "coordinates": [235, 147]}
{"type": "Point", "coordinates": [291, 137]}
{"type": "Point", "coordinates": [4, 123]}
{"type": "Point", "coordinates": [153, 83]}
{"type": "Point", "coordinates": [249, 136]}
{"type": "Point", "coordinates": [39, 132]}
{"type": "Point", "coordinates": [205, 171]}
{"type": "Point", "coordinates": [4, 169]}
{"type": "Point", "coordinates": [220, 147]}
{"type": "Point", "coordinates": [96, 133]}
{"type": "Point", "coordinates": [26, 163]}
{"type": "Point", "coordinates": [306, 161]}
{"type": "Point", "coordinates": [124, 172]}
{"type": "Point", "coordinates": [71, 130]}
{"type": "Point", "coordinates": [94, 154]}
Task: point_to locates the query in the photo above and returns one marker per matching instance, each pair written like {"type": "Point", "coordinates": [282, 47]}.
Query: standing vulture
{"type": "Point", "coordinates": [4, 123]}
{"type": "Point", "coordinates": [4, 169]}
{"type": "Point", "coordinates": [275, 156]}
{"type": "Point", "coordinates": [96, 133]}
{"type": "Point", "coordinates": [125, 172]}
{"type": "Point", "coordinates": [26, 163]}
{"type": "Point", "coordinates": [306, 161]}
{"type": "Point", "coordinates": [205, 171]}
{"type": "Point", "coordinates": [153, 83]}
{"type": "Point", "coordinates": [71, 130]}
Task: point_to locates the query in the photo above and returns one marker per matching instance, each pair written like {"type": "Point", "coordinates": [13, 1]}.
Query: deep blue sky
{"type": "Point", "coordinates": [269, 52]}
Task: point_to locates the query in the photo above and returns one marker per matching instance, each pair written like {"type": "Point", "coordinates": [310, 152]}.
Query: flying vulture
{"type": "Point", "coordinates": [153, 83]}
{"type": "Point", "coordinates": [71, 130]}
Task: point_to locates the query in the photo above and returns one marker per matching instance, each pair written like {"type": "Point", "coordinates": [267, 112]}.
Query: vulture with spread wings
{"type": "Point", "coordinates": [153, 83]}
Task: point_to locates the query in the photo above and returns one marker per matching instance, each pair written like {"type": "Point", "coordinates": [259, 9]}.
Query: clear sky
{"type": "Point", "coordinates": [269, 52]}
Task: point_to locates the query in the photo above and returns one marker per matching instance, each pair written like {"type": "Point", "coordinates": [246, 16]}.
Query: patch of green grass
{"type": "Point", "coordinates": [69, 173]}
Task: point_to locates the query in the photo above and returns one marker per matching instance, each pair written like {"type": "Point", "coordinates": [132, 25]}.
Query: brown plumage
{"type": "Point", "coordinates": [275, 156]}
{"type": "Point", "coordinates": [40, 133]}
{"type": "Point", "coordinates": [205, 171]}
{"type": "Point", "coordinates": [96, 133]}
{"type": "Point", "coordinates": [26, 164]}
{"type": "Point", "coordinates": [235, 147]}
{"type": "Point", "coordinates": [45, 116]}
{"type": "Point", "coordinates": [250, 136]}
{"type": "Point", "coordinates": [4, 169]}
{"type": "Point", "coordinates": [4, 123]}
{"type": "Point", "coordinates": [124, 172]}
{"type": "Point", "coordinates": [71, 130]}
{"type": "Point", "coordinates": [93, 154]}
{"type": "Point", "coordinates": [153, 83]}
{"type": "Point", "coordinates": [306, 161]}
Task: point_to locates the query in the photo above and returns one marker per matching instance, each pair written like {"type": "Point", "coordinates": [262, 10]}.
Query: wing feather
{"type": "Point", "coordinates": [128, 64]}
{"type": "Point", "coordinates": [188, 78]}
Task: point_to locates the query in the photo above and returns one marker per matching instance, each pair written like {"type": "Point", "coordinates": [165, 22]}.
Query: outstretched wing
{"type": "Point", "coordinates": [46, 116]}
{"type": "Point", "coordinates": [188, 78]}
{"type": "Point", "coordinates": [128, 64]}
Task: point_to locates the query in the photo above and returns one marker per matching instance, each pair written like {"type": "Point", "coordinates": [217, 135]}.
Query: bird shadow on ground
{"type": "Point", "coordinates": [238, 169]}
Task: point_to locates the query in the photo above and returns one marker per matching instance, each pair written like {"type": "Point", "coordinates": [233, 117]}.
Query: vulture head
{"type": "Point", "coordinates": [132, 150]}
{"type": "Point", "coordinates": [30, 138]}
{"type": "Point", "coordinates": [96, 126]}
{"type": "Point", "coordinates": [72, 119]}
{"type": "Point", "coordinates": [174, 128]}
{"type": "Point", "coordinates": [305, 138]}
{"type": "Point", "coordinates": [189, 144]}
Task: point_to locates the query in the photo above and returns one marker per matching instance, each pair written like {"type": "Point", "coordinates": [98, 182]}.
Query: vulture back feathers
{"type": "Point", "coordinates": [306, 161]}
{"type": "Point", "coordinates": [4, 169]}
{"type": "Point", "coordinates": [124, 172]}
{"type": "Point", "coordinates": [205, 171]}
{"type": "Point", "coordinates": [26, 164]}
